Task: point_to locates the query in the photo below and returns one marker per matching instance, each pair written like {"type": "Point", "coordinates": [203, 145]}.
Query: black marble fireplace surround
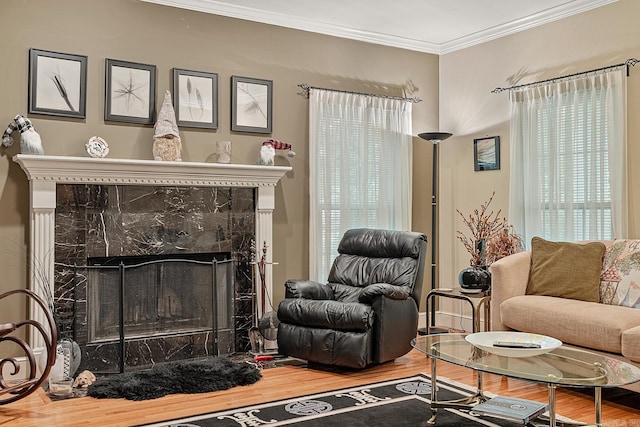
{"type": "Point", "coordinates": [98, 222]}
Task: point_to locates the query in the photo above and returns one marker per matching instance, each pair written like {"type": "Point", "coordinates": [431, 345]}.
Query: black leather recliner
{"type": "Point", "coordinates": [368, 312]}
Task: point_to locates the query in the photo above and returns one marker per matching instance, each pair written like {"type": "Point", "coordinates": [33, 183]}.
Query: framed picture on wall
{"type": "Point", "coordinates": [57, 83]}
{"type": "Point", "coordinates": [195, 98]}
{"type": "Point", "coordinates": [251, 105]}
{"type": "Point", "coordinates": [130, 92]}
{"type": "Point", "coordinates": [486, 153]}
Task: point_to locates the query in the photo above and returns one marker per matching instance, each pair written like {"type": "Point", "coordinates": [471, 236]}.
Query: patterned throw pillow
{"type": "Point", "coordinates": [620, 280]}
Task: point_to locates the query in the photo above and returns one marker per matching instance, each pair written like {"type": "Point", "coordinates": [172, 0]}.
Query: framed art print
{"type": "Point", "coordinates": [57, 83]}
{"type": "Point", "coordinates": [130, 92]}
{"type": "Point", "coordinates": [195, 98]}
{"type": "Point", "coordinates": [251, 105]}
{"type": "Point", "coordinates": [486, 153]}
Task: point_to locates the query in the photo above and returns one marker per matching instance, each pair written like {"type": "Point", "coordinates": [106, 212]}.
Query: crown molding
{"type": "Point", "coordinates": [538, 19]}
{"type": "Point", "coordinates": [299, 23]}
{"type": "Point", "coordinates": [305, 24]}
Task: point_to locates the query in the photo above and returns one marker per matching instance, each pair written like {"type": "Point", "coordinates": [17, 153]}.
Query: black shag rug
{"type": "Point", "coordinates": [188, 377]}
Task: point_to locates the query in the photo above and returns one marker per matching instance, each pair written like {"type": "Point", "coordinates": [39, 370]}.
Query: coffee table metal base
{"type": "Point", "coordinates": [467, 402]}
{"type": "Point", "coordinates": [478, 397]}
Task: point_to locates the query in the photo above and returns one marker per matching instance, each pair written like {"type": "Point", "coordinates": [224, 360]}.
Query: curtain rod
{"type": "Point", "coordinates": [628, 63]}
{"type": "Point", "coordinates": [307, 88]}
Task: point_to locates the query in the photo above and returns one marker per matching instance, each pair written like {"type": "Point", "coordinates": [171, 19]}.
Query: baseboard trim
{"type": "Point", "coordinates": [450, 320]}
{"type": "Point", "coordinates": [7, 370]}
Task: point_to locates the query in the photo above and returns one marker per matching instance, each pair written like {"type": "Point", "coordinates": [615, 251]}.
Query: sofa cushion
{"type": "Point", "coordinates": [567, 270]}
{"type": "Point", "coordinates": [619, 284]}
{"type": "Point", "coordinates": [631, 344]}
{"type": "Point", "coordinates": [586, 324]}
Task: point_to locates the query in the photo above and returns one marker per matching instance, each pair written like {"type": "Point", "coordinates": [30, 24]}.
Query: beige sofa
{"type": "Point", "coordinates": [611, 329]}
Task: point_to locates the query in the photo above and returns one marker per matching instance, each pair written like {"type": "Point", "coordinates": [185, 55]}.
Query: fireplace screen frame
{"type": "Point", "coordinates": [222, 298]}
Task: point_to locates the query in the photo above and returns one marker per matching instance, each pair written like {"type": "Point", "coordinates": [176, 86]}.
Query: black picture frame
{"type": "Point", "coordinates": [57, 83]}
{"type": "Point", "coordinates": [251, 105]}
{"type": "Point", "coordinates": [195, 98]}
{"type": "Point", "coordinates": [130, 92]}
{"type": "Point", "coordinates": [486, 153]}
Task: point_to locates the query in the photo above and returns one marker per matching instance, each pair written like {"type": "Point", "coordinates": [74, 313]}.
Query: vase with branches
{"type": "Point", "coordinates": [490, 238]}
{"type": "Point", "coordinates": [482, 224]}
{"type": "Point", "coordinates": [60, 302]}
{"type": "Point", "coordinates": [503, 243]}
{"type": "Point", "coordinates": [49, 314]}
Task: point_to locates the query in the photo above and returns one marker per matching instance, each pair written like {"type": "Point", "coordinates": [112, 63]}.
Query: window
{"type": "Point", "coordinates": [567, 171]}
{"type": "Point", "coordinates": [576, 198]}
{"type": "Point", "coordinates": [360, 171]}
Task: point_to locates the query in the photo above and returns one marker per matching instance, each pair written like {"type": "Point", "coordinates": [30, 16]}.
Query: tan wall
{"type": "Point", "coordinates": [168, 37]}
{"type": "Point", "coordinates": [604, 36]}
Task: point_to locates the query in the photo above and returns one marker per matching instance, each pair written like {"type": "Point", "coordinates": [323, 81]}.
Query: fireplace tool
{"type": "Point", "coordinates": [265, 328]}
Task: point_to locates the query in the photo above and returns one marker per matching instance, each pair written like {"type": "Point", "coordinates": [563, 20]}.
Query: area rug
{"type": "Point", "coordinates": [401, 402]}
{"type": "Point", "coordinates": [217, 373]}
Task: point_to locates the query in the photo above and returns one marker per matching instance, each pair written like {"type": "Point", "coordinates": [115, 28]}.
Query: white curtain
{"type": "Point", "coordinates": [360, 169]}
{"type": "Point", "coordinates": [568, 158]}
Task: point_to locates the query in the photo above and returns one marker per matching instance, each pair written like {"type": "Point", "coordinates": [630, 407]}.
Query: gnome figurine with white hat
{"type": "Point", "coordinates": [30, 142]}
{"type": "Point", "coordinates": [166, 139]}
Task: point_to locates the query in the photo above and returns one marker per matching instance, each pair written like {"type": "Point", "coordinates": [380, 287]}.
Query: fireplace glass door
{"type": "Point", "coordinates": [157, 297]}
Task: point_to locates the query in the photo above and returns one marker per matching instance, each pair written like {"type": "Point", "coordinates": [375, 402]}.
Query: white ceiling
{"type": "Point", "coordinates": [432, 26]}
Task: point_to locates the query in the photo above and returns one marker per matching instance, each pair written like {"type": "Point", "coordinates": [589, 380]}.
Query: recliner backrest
{"type": "Point", "coordinates": [368, 256]}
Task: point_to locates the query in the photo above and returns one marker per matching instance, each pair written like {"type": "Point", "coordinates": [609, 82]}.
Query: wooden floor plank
{"type": "Point", "coordinates": [290, 381]}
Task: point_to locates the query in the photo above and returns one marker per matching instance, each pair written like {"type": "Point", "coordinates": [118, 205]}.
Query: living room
{"type": "Point", "coordinates": [455, 88]}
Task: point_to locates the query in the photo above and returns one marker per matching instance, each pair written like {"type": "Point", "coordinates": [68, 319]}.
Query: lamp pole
{"type": "Point", "coordinates": [436, 138]}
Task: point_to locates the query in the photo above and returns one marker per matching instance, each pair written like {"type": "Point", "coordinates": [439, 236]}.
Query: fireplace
{"type": "Point", "coordinates": [84, 209]}
{"type": "Point", "coordinates": [139, 262]}
{"type": "Point", "coordinates": [140, 310]}
{"type": "Point", "coordinates": [139, 297]}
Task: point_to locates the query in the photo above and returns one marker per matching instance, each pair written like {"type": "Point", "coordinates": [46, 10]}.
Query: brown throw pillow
{"type": "Point", "coordinates": [567, 270]}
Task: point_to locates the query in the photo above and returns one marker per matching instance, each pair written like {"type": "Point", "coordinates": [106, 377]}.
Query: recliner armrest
{"type": "Point", "coordinates": [390, 291]}
{"type": "Point", "coordinates": [396, 324]}
{"type": "Point", "coordinates": [326, 314]}
{"type": "Point", "coordinates": [307, 289]}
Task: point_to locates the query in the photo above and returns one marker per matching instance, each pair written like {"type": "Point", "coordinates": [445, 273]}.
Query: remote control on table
{"type": "Point", "coordinates": [512, 344]}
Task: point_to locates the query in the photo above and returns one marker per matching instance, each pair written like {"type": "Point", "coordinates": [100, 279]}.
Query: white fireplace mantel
{"type": "Point", "coordinates": [70, 170]}
{"type": "Point", "coordinates": [45, 172]}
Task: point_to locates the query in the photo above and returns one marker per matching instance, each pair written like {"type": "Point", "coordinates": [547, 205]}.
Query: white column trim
{"type": "Point", "coordinates": [41, 250]}
{"type": "Point", "coordinates": [264, 235]}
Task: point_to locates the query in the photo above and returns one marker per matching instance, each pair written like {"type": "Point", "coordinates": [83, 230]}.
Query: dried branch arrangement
{"type": "Point", "coordinates": [491, 237]}
{"type": "Point", "coordinates": [504, 243]}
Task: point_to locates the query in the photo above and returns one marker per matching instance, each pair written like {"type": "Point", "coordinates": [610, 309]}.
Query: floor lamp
{"type": "Point", "coordinates": [436, 138]}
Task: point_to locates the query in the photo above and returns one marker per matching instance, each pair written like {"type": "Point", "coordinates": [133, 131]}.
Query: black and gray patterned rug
{"type": "Point", "coordinates": [401, 402]}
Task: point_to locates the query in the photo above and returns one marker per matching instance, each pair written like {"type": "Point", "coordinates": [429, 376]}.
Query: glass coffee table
{"type": "Point", "coordinates": [564, 366]}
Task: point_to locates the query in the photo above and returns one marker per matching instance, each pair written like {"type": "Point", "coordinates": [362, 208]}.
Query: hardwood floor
{"type": "Point", "coordinates": [289, 381]}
